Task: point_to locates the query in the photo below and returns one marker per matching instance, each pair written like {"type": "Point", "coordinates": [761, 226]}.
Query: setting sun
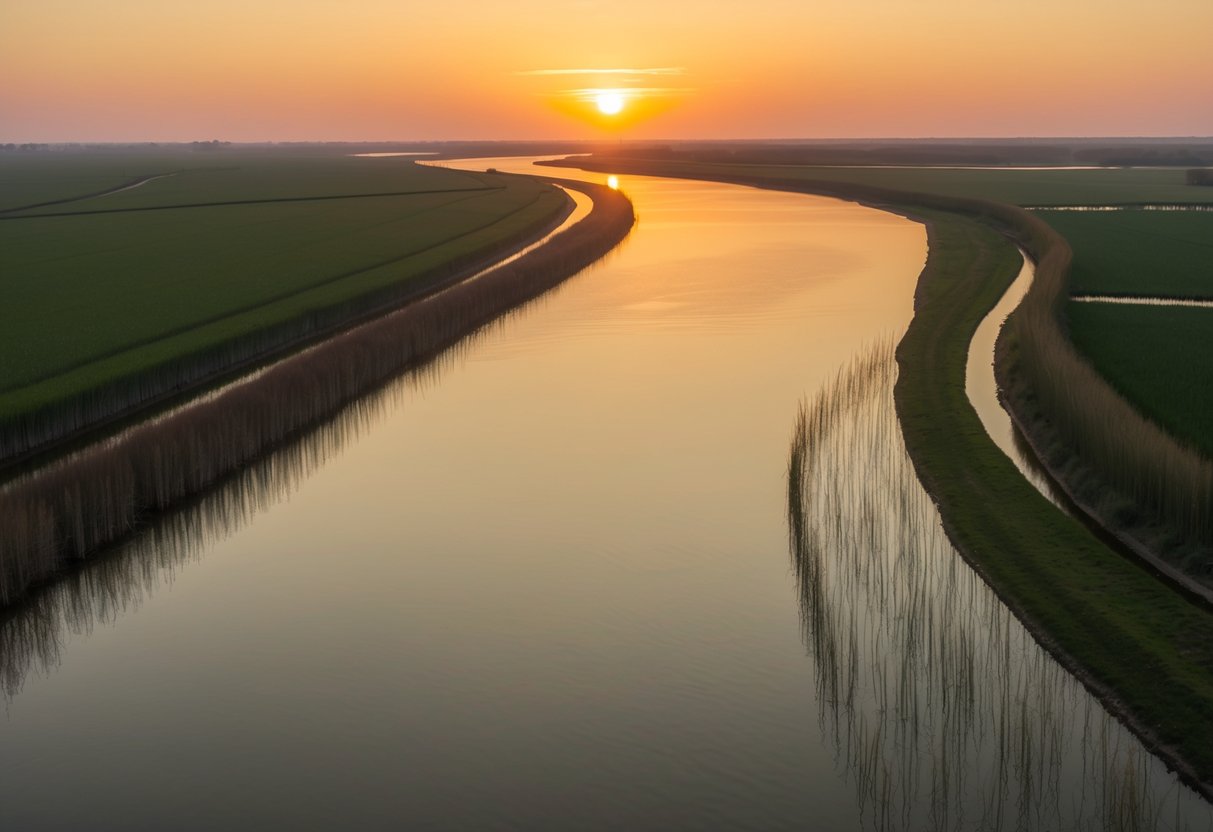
{"type": "Point", "coordinates": [609, 102]}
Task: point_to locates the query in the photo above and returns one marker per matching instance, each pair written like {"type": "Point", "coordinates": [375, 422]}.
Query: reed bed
{"type": "Point", "coordinates": [72, 509]}
{"type": "Point", "coordinates": [943, 711]}
{"type": "Point", "coordinates": [1130, 472]}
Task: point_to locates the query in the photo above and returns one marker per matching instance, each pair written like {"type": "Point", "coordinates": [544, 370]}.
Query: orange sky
{"type": "Point", "coordinates": [250, 70]}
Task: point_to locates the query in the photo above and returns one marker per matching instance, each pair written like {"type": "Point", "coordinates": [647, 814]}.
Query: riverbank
{"type": "Point", "coordinates": [71, 510]}
{"type": "Point", "coordinates": [173, 286]}
{"type": "Point", "coordinates": [1140, 647]}
{"type": "Point", "coordinates": [1099, 614]}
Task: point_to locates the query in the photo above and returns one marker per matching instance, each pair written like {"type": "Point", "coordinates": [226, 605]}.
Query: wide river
{"type": "Point", "coordinates": [548, 583]}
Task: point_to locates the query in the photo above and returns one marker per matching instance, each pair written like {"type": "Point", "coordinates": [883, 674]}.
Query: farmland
{"type": "Point", "coordinates": [1150, 253]}
{"type": "Point", "coordinates": [1158, 358]}
{"type": "Point", "coordinates": [219, 260]}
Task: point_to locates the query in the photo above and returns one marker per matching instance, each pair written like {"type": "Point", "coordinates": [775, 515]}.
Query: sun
{"type": "Point", "coordinates": [610, 103]}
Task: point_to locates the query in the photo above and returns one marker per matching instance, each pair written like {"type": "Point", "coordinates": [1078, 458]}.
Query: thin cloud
{"type": "Point", "coordinates": [590, 93]}
{"type": "Point", "coordinates": [654, 70]}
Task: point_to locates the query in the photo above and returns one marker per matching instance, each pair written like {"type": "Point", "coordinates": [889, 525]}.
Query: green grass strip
{"type": "Point", "coordinates": [1146, 651]}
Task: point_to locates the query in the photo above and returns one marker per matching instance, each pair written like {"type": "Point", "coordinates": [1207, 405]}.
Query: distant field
{"type": "Point", "coordinates": [112, 287]}
{"type": "Point", "coordinates": [1159, 358]}
{"type": "Point", "coordinates": [192, 178]}
{"type": "Point", "coordinates": [1139, 252]}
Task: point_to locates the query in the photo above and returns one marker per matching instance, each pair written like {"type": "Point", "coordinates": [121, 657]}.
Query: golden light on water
{"type": "Point", "coordinates": [613, 182]}
{"type": "Point", "coordinates": [610, 102]}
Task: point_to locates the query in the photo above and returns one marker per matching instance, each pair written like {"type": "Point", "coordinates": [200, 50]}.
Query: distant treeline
{"type": "Point", "coordinates": [72, 509]}
{"type": "Point", "coordinates": [1143, 154]}
{"type": "Point", "coordinates": [213, 144]}
{"type": "Point", "coordinates": [438, 149]}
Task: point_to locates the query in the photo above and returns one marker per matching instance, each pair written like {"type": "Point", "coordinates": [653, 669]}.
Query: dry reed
{"type": "Point", "coordinates": [942, 710]}
{"type": "Point", "coordinates": [1126, 468]}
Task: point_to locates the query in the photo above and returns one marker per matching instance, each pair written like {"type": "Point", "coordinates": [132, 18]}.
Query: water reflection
{"type": "Point", "coordinates": [118, 581]}
{"type": "Point", "coordinates": [981, 389]}
{"type": "Point", "coordinates": [942, 710]}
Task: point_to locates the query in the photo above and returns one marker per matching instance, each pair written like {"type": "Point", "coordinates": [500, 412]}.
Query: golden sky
{"type": "Point", "coordinates": [251, 70]}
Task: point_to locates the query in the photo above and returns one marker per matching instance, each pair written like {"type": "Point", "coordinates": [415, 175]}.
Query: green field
{"type": "Point", "coordinates": [29, 181]}
{"type": "Point", "coordinates": [1150, 253]}
{"type": "Point", "coordinates": [1158, 357]}
{"type": "Point", "coordinates": [108, 288]}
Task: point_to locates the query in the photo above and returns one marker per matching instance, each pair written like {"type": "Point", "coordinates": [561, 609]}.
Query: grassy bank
{"type": "Point", "coordinates": [911, 690]}
{"type": "Point", "coordinates": [1145, 650]}
{"type": "Point", "coordinates": [69, 511]}
{"type": "Point", "coordinates": [166, 285]}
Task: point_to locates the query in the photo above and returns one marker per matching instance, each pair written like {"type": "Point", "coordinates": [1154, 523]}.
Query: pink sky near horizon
{"type": "Point", "coordinates": [153, 70]}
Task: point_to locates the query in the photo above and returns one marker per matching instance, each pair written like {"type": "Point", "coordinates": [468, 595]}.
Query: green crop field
{"type": "Point", "coordinates": [1158, 357]}
{"type": "Point", "coordinates": [99, 289]}
{"type": "Point", "coordinates": [1151, 253]}
{"type": "Point", "coordinates": [29, 181]}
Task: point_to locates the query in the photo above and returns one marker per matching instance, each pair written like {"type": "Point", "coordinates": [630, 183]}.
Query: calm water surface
{"type": "Point", "coordinates": [543, 584]}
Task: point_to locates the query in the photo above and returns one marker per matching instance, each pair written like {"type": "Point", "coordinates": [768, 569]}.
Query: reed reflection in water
{"type": "Point", "coordinates": [97, 591]}
{"type": "Point", "coordinates": [943, 711]}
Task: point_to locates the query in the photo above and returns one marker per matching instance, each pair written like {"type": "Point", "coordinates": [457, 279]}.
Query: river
{"type": "Point", "coordinates": [545, 583]}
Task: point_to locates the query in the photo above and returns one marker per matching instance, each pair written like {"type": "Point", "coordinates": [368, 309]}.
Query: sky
{"type": "Point", "coordinates": [373, 70]}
